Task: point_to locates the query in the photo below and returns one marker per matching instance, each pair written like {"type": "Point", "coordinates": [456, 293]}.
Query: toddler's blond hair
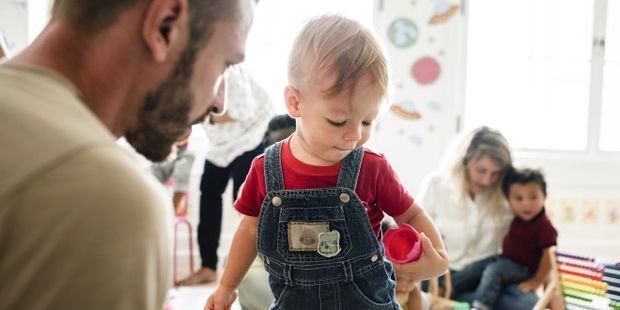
{"type": "Point", "coordinates": [333, 44]}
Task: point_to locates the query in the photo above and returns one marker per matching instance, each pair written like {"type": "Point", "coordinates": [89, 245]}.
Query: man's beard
{"type": "Point", "coordinates": [164, 115]}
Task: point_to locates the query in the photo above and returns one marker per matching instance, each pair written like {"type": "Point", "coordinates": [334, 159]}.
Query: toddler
{"type": "Point", "coordinates": [525, 251]}
{"type": "Point", "coordinates": [313, 203]}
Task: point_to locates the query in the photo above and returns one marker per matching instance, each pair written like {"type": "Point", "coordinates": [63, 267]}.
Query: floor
{"type": "Point", "coordinates": [195, 297]}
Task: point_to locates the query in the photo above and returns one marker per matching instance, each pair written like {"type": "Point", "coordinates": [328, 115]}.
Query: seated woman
{"type": "Point", "coordinates": [465, 200]}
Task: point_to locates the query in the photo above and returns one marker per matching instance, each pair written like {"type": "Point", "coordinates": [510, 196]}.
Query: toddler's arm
{"type": "Point", "coordinates": [544, 267]}
{"type": "Point", "coordinates": [242, 253]}
{"type": "Point", "coordinates": [434, 259]}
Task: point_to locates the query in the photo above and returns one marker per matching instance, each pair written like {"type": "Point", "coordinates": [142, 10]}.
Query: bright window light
{"type": "Point", "coordinates": [528, 71]}
{"type": "Point", "coordinates": [610, 126]}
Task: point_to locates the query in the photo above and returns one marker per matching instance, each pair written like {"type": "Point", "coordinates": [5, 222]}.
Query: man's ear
{"type": "Point", "coordinates": [291, 99]}
{"type": "Point", "coordinates": [165, 26]}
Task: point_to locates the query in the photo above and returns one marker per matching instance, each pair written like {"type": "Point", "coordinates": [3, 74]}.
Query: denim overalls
{"type": "Point", "coordinates": [318, 245]}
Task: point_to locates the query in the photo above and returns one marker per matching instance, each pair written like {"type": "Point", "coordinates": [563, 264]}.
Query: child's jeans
{"type": "Point", "coordinates": [468, 278]}
{"type": "Point", "coordinates": [465, 282]}
{"type": "Point", "coordinates": [495, 277]}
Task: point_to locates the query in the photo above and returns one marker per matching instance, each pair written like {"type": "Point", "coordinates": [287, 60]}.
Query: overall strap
{"type": "Point", "coordinates": [274, 181]}
{"type": "Point", "coordinates": [350, 169]}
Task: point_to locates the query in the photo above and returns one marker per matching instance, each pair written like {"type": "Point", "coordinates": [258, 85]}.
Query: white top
{"type": "Point", "coordinates": [469, 231]}
{"type": "Point", "coordinates": [251, 109]}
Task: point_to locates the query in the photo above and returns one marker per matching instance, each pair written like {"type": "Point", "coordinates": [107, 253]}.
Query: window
{"type": "Point", "coordinates": [610, 126]}
{"type": "Point", "coordinates": [536, 71]}
{"type": "Point", "coordinates": [276, 22]}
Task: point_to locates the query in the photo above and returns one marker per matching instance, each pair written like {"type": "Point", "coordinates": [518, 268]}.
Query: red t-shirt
{"type": "Point", "coordinates": [526, 241]}
{"type": "Point", "coordinates": [377, 185]}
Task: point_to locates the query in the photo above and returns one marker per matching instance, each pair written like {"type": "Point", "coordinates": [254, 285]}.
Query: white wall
{"type": "Point", "coordinates": [22, 20]}
{"type": "Point", "coordinates": [14, 24]}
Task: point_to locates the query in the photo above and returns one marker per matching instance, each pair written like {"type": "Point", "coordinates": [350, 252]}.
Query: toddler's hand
{"type": "Point", "coordinates": [221, 299]}
{"type": "Point", "coordinates": [430, 264]}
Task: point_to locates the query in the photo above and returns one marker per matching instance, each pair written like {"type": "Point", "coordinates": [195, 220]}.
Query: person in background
{"type": "Point", "coordinates": [82, 226]}
{"type": "Point", "coordinates": [465, 200]}
{"type": "Point", "coordinates": [313, 204]}
{"type": "Point", "coordinates": [177, 169]}
{"type": "Point", "coordinates": [279, 128]}
{"type": "Point", "coordinates": [525, 258]}
{"type": "Point", "coordinates": [234, 139]}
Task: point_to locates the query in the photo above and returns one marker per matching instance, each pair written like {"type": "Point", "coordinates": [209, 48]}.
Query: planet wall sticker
{"type": "Point", "coordinates": [406, 109]}
{"type": "Point", "coordinates": [403, 32]}
{"type": "Point", "coordinates": [425, 70]}
{"type": "Point", "coordinates": [443, 11]}
{"type": "Point", "coordinates": [434, 106]}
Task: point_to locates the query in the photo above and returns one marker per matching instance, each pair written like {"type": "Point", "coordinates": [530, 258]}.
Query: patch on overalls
{"type": "Point", "coordinates": [329, 243]}
{"type": "Point", "coordinates": [304, 236]}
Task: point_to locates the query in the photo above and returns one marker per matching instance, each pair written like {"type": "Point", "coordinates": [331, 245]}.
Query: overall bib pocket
{"type": "Point", "coordinates": [313, 234]}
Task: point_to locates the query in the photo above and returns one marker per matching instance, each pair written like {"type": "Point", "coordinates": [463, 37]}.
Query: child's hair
{"type": "Point", "coordinates": [523, 176]}
{"type": "Point", "coordinates": [333, 44]}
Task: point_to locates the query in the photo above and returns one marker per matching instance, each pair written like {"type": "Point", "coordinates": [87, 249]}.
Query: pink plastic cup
{"type": "Point", "coordinates": [402, 244]}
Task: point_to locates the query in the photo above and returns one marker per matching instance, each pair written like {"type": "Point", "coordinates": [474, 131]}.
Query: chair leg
{"type": "Point", "coordinates": [174, 255]}
{"type": "Point", "coordinates": [191, 248]}
{"type": "Point", "coordinates": [184, 222]}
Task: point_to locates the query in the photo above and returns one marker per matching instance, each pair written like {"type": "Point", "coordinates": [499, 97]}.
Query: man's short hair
{"type": "Point", "coordinates": [90, 17]}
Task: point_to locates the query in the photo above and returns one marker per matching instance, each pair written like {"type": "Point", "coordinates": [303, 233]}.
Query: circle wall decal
{"type": "Point", "coordinates": [425, 70]}
{"type": "Point", "coordinates": [403, 32]}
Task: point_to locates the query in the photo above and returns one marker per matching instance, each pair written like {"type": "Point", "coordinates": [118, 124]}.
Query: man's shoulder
{"type": "Point", "coordinates": [100, 175]}
{"type": "Point", "coordinates": [113, 165]}
{"type": "Point", "coordinates": [40, 127]}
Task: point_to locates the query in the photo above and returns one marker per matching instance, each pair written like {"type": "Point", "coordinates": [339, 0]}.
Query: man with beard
{"type": "Point", "coordinates": [81, 227]}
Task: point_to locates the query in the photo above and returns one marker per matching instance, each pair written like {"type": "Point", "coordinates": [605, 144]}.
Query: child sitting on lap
{"type": "Point", "coordinates": [525, 252]}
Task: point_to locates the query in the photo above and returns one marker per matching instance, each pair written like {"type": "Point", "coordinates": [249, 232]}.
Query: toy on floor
{"type": "Point", "coordinates": [587, 282]}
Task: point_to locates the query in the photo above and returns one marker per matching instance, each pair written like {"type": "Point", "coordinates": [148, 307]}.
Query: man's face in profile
{"type": "Point", "coordinates": [188, 94]}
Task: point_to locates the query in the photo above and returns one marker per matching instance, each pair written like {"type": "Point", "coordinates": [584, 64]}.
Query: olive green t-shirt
{"type": "Point", "coordinates": [81, 226]}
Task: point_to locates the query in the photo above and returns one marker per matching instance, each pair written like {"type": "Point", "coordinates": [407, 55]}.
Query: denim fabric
{"type": "Point", "coordinates": [358, 277]}
{"type": "Point", "coordinates": [511, 298]}
{"type": "Point", "coordinates": [495, 276]}
{"type": "Point", "coordinates": [466, 280]}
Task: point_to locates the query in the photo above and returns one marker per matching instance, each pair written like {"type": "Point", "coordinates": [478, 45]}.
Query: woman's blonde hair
{"type": "Point", "coordinates": [482, 141]}
{"type": "Point", "coordinates": [333, 44]}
